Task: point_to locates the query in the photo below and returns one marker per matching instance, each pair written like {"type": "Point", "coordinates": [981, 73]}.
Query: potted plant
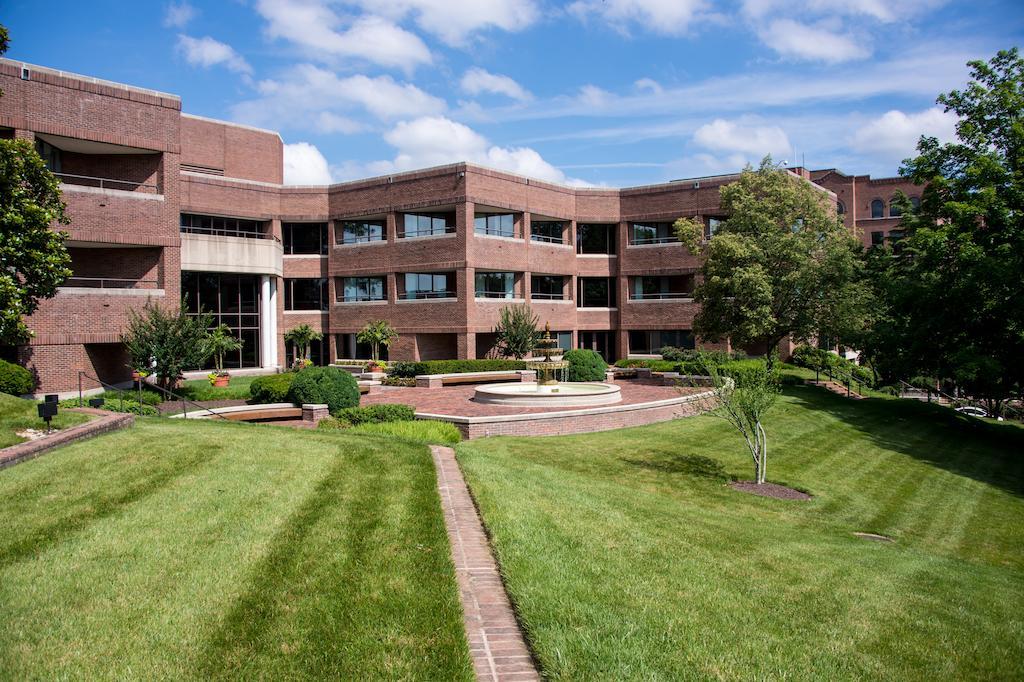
{"type": "Point", "coordinates": [376, 333]}
{"type": "Point", "coordinates": [220, 341]}
{"type": "Point", "coordinates": [139, 375]}
{"type": "Point", "coordinates": [301, 337]}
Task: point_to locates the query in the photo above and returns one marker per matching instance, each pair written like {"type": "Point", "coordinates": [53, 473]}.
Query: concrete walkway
{"type": "Point", "coordinates": [495, 642]}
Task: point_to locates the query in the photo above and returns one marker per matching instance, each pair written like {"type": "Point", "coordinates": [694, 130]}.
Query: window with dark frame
{"type": "Point", "coordinates": [877, 208]}
{"type": "Point", "coordinates": [225, 227]}
{"type": "Point", "coordinates": [659, 287]}
{"type": "Point", "coordinates": [596, 292]}
{"type": "Point", "coordinates": [421, 285]}
{"type": "Point", "coordinates": [357, 289]}
{"type": "Point", "coordinates": [651, 233]}
{"type": "Point", "coordinates": [427, 224]}
{"type": "Point", "coordinates": [233, 300]}
{"type": "Point", "coordinates": [550, 231]}
{"type": "Point", "coordinates": [547, 287]}
{"type": "Point", "coordinates": [304, 238]}
{"type": "Point", "coordinates": [711, 226]}
{"type": "Point", "coordinates": [495, 224]}
{"type": "Point", "coordinates": [305, 293]}
{"type": "Point", "coordinates": [495, 284]}
{"type": "Point", "coordinates": [359, 231]}
{"type": "Point", "coordinates": [596, 238]}
{"type": "Point", "coordinates": [877, 238]}
{"type": "Point", "coordinates": [650, 342]}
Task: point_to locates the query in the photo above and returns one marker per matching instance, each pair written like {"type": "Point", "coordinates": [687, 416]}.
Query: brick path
{"type": "Point", "coordinates": [495, 642]}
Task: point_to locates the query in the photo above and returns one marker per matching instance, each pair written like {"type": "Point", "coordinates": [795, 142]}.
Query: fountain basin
{"type": "Point", "coordinates": [530, 394]}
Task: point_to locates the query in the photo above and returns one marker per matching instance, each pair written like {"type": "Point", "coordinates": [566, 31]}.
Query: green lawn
{"type": "Point", "coordinates": [200, 389]}
{"type": "Point", "coordinates": [198, 550]}
{"type": "Point", "coordinates": [629, 557]}
{"type": "Point", "coordinates": [17, 414]}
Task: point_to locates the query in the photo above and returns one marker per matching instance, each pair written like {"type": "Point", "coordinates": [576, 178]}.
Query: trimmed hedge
{"type": "Point", "coordinates": [413, 369]}
{"type": "Point", "coordinates": [585, 365]}
{"type": "Point", "coordinates": [15, 379]}
{"type": "Point", "coordinates": [329, 386]}
{"type": "Point", "coordinates": [376, 414]}
{"type": "Point", "coordinates": [273, 388]}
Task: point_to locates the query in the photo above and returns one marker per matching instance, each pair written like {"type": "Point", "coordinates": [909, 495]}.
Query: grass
{"type": "Point", "coordinates": [629, 557]}
{"type": "Point", "coordinates": [17, 414]}
{"type": "Point", "coordinates": [217, 550]}
{"type": "Point", "coordinates": [201, 389]}
{"type": "Point", "coordinates": [427, 431]}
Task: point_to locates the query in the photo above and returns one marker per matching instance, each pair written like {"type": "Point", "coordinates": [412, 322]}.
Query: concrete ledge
{"type": "Point", "coordinates": [105, 423]}
{"type": "Point", "coordinates": [440, 380]}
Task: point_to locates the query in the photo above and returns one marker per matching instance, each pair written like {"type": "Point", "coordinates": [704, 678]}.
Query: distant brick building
{"type": "Point", "coordinates": [172, 207]}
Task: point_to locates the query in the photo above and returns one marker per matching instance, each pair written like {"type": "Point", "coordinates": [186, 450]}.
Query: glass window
{"type": "Point", "coordinates": [495, 284]}
{"type": "Point", "coordinates": [661, 287]}
{"type": "Point", "coordinates": [548, 231]}
{"type": "Point", "coordinates": [363, 289]}
{"type": "Point", "coordinates": [359, 231]}
{"type": "Point", "coordinates": [877, 208]}
{"type": "Point", "coordinates": [647, 342]}
{"type": "Point", "coordinates": [595, 238]}
{"type": "Point", "coordinates": [224, 227]}
{"type": "Point", "coordinates": [564, 339]}
{"type": "Point", "coordinates": [304, 238]}
{"type": "Point", "coordinates": [49, 154]}
{"type": "Point", "coordinates": [596, 292]}
{"type": "Point", "coordinates": [547, 287]}
{"type": "Point", "coordinates": [651, 233]}
{"type": "Point", "coordinates": [916, 203]}
{"type": "Point", "coordinates": [840, 208]}
{"type": "Point", "coordinates": [305, 293]}
{"type": "Point", "coordinates": [426, 224]}
{"type": "Point", "coordinates": [877, 238]}
{"type": "Point", "coordinates": [495, 224]}
{"type": "Point", "coordinates": [428, 285]}
{"type": "Point", "coordinates": [711, 226]}
{"type": "Point", "coordinates": [232, 300]}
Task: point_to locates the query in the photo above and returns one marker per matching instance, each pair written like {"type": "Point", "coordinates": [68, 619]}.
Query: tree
{"type": "Point", "coordinates": [949, 290]}
{"type": "Point", "coordinates": [33, 258]}
{"type": "Point", "coordinates": [743, 400]}
{"type": "Point", "coordinates": [168, 341]}
{"type": "Point", "coordinates": [302, 337]}
{"type": "Point", "coordinates": [516, 331]}
{"type": "Point", "coordinates": [782, 264]}
{"type": "Point", "coordinates": [220, 341]}
{"type": "Point", "coordinates": [377, 333]}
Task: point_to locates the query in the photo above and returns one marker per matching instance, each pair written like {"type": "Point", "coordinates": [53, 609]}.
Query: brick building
{"type": "Point", "coordinates": [171, 207]}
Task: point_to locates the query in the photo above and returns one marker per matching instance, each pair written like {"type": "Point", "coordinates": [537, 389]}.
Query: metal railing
{"type": "Point", "coordinates": [137, 390]}
{"type": "Point", "coordinates": [110, 283]}
{"type": "Point", "coordinates": [361, 240]}
{"type": "Point", "coordinates": [510, 234]}
{"type": "Point", "coordinates": [652, 240]}
{"type": "Point", "coordinates": [416, 295]}
{"type": "Point", "coordinates": [546, 238]}
{"type": "Point", "coordinates": [363, 299]}
{"type": "Point", "coordinates": [225, 232]}
{"type": "Point", "coordinates": [540, 296]}
{"type": "Point", "coordinates": [660, 295]}
{"type": "Point", "coordinates": [495, 294]}
{"type": "Point", "coordinates": [426, 233]}
{"type": "Point", "coordinates": [106, 183]}
{"type": "Point", "coordinates": [851, 382]}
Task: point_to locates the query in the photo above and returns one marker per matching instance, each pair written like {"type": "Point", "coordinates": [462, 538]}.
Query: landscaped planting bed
{"type": "Point", "coordinates": [629, 556]}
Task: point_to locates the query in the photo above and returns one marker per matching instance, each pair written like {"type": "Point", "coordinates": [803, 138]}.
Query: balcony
{"type": "Point", "coordinates": [107, 183]}
{"type": "Point", "coordinates": [426, 295]}
{"type": "Point", "coordinates": [206, 252]}
{"type": "Point", "coordinates": [111, 286]}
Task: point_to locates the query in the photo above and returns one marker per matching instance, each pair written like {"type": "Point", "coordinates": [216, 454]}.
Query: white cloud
{"type": "Point", "coordinates": [316, 28]}
{"type": "Point", "coordinates": [308, 91]}
{"type": "Point", "coordinates": [751, 140]}
{"type": "Point", "coordinates": [648, 85]}
{"type": "Point", "coordinates": [669, 17]}
{"type": "Point", "coordinates": [178, 14]}
{"type": "Point", "coordinates": [436, 140]}
{"type": "Point", "coordinates": [593, 96]}
{"type": "Point", "coordinates": [894, 134]}
{"type": "Point", "coordinates": [305, 165]}
{"type": "Point", "coordinates": [791, 38]}
{"type": "Point", "coordinates": [329, 122]}
{"type": "Point", "coordinates": [455, 22]}
{"type": "Point", "coordinates": [477, 80]}
{"type": "Point", "coordinates": [206, 52]}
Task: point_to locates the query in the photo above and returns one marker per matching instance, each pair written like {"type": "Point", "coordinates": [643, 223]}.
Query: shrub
{"type": "Point", "coordinates": [585, 365]}
{"type": "Point", "coordinates": [407, 382]}
{"type": "Point", "coordinates": [744, 372]}
{"type": "Point", "coordinates": [676, 354]}
{"type": "Point", "coordinates": [413, 369]}
{"type": "Point", "coordinates": [273, 388]}
{"type": "Point", "coordinates": [426, 431]}
{"type": "Point", "coordinates": [375, 414]}
{"type": "Point", "coordinates": [15, 379]}
{"type": "Point", "coordinates": [329, 386]}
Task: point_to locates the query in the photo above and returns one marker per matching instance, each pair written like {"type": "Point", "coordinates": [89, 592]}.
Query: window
{"type": "Point", "coordinates": [49, 154]}
{"type": "Point", "coordinates": [495, 284]}
{"type": "Point", "coordinates": [651, 233]}
{"type": "Point", "coordinates": [877, 238]}
{"type": "Point", "coordinates": [318, 352]}
{"type": "Point", "coordinates": [564, 339]}
{"type": "Point", "coordinates": [349, 348]}
{"type": "Point", "coordinates": [304, 238]}
{"type": "Point", "coordinates": [548, 231]}
{"type": "Point", "coordinates": [420, 285]}
{"type": "Point", "coordinates": [657, 288]}
{"type": "Point", "coordinates": [877, 208]}
{"type": "Point", "coordinates": [595, 238]}
{"type": "Point", "coordinates": [305, 293]}
{"type": "Point", "coordinates": [596, 292]}
{"type": "Point", "coordinates": [495, 224]}
{"type": "Point", "coordinates": [840, 208]}
{"type": "Point", "coordinates": [359, 231]}
{"type": "Point", "coordinates": [363, 289]}
{"type": "Point", "coordinates": [651, 342]}
{"type": "Point", "coordinates": [916, 203]}
{"type": "Point", "coordinates": [224, 227]}
{"type": "Point", "coordinates": [427, 224]}
{"type": "Point", "coordinates": [233, 300]}
{"type": "Point", "coordinates": [547, 287]}
{"type": "Point", "coordinates": [894, 209]}
{"type": "Point", "coordinates": [711, 226]}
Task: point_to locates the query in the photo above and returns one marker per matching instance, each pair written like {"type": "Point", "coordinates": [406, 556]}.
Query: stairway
{"type": "Point", "coordinates": [837, 388]}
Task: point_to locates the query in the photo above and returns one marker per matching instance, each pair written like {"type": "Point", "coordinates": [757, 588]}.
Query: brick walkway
{"type": "Point", "coordinates": [495, 642]}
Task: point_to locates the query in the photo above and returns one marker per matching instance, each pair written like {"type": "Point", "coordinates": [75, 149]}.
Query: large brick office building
{"type": "Point", "coordinates": [171, 207]}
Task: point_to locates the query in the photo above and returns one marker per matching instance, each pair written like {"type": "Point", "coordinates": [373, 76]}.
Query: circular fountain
{"type": "Point", "coordinates": [547, 391]}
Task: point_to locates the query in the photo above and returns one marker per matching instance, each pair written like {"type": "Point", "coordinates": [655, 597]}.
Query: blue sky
{"type": "Point", "coordinates": [602, 92]}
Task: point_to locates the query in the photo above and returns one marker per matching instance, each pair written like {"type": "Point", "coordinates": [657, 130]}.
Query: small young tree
{"type": "Point", "coordinates": [742, 399]}
{"type": "Point", "coordinates": [516, 331]}
{"type": "Point", "coordinates": [220, 341]}
{"type": "Point", "coordinates": [302, 337]}
{"type": "Point", "coordinates": [168, 341]}
{"type": "Point", "coordinates": [377, 333]}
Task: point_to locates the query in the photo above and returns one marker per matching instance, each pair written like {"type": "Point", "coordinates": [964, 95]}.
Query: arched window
{"type": "Point", "coordinates": [916, 203]}
{"type": "Point", "coordinates": [840, 208]}
{"type": "Point", "coordinates": [877, 208]}
{"type": "Point", "coordinates": [894, 209]}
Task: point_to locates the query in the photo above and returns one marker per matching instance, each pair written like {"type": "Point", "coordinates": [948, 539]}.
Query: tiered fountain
{"type": "Point", "coordinates": [547, 391]}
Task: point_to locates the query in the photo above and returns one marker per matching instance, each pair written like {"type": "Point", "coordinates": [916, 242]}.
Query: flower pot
{"type": "Point", "coordinates": [221, 380]}
{"type": "Point", "coordinates": [136, 375]}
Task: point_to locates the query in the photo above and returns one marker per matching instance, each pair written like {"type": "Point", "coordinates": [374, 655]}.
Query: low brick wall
{"type": "Point", "coordinates": [577, 421]}
{"type": "Point", "coordinates": [104, 423]}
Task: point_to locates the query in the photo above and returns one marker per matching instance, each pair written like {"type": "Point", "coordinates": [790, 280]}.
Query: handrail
{"type": "Point", "coordinates": [224, 232]}
{"type": "Point", "coordinates": [546, 297]}
{"type": "Point", "coordinates": [407, 234]}
{"type": "Point", "coordinates": [182, 399]}
{"type": "Point", "coordinates": [850, 379]}
{"type": "Point", "coordinates": [130, 183]}
{"type": "Point", "coordinates": [105, 282]}
{"type": "Point", "coordinates": [483, 293]}
{"type": "Point", "coordinates": [936, 391]}
{"type": "Point", "coordinates": [545, 238]}
{"type": "Point", "coordinates": [416, 295]}
{"type": "Point", "coordinates": [138, 383]}
{"type": "Point", "coordinates": [653, 240]}
{"type": "Point", "coordinates": [633, 296]}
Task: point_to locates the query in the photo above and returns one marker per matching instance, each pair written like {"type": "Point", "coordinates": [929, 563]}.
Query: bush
{"type": "Point", "coordinates": [413, 369]}
{"type": "Point", "coordinates": [426, 431]}
{"type": "Point", "coordinates": [822, 360]}
{"type": "Point", "coordinates": [407, 382]}
{"type": "Point", "coordinates": [273, 388]}
{"type": "Point", "coordinates": [744, 372]}
{"type": "Point", "coordinates": [376, 414]}
{"type": "Point", "coordinates": [112, 403]}
{"type": "Point", "coordinates": [15, 379]}
{"type": "Point", "coordinates": [329, 386]}
{"type": "Point", "coordinates": [585, 365]}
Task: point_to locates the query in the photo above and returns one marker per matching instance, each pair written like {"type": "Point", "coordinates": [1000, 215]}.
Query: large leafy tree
{"type": "Point", "coordinates": [167, 341]}
{"type": "Point", "coordinates": [780, 265]}
{"type": "Point", "coordinates": [951, 289]}
{"type": "Point", "coordinates": [33, 258]}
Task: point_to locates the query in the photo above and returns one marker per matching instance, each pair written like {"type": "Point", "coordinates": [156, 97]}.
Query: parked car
{"type": "Point", "coordinates": [972, 411]}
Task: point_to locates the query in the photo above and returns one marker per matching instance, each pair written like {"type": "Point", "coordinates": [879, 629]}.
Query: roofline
{"type": "Point", "coordinates": [232, 124]}
{"type": "Point", "coordinates": [88, 79]}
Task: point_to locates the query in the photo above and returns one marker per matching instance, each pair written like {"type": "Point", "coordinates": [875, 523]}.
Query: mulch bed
{"type": "Point", "coordinates": [779, 492]}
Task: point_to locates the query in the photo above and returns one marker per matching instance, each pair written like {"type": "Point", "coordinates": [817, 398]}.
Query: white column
{"type": "Point", "coordinates": [268, 321]}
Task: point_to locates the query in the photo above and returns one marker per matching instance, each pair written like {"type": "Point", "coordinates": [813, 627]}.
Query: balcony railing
{"type": "Point", "coordinates": [659, 295]}
{"type": "Point", "coordinates": [547, 239]}
{"type": "Point", "coordinates": [540, 296]}
{"type": "Point", "coordinates": [426, 233]}
{"type": "Point", "coordinates": [420, 295]}
{"type": "Point", "coordinates": [107, 183]}
{"type": "Point", "coordinates": [224, 232]}
{"type": "Point", "coordinates": [110, 283]}
{"type": "Point", "coordinates": [361, 298]}
{"type": "Point", "coordinates": [652, 240]}
{"type": "Point", "coordinates": [508, 234]}
{"type": "Point", "coordinates": [495, 294]}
